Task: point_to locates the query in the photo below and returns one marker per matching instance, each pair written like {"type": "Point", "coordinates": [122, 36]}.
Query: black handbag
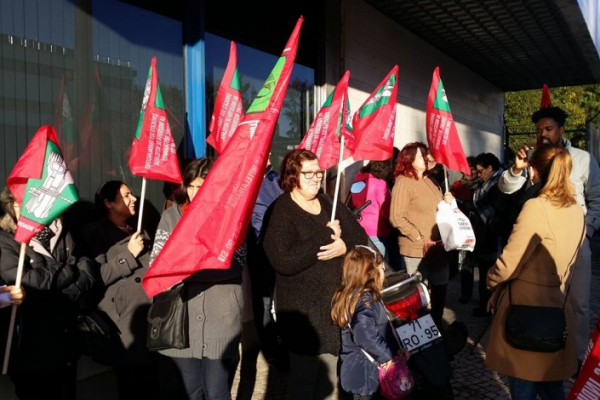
{"type": "Point", "coordinates": [536, 328]}
{"type": "Point", "coordinates": [168, 326]}
{"type": "Point", "coordinates": [97, 335]}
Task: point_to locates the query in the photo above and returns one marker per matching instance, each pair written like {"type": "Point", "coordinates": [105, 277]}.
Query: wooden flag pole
{"type": "Point", "coordinates": [13, 314]}
{"type": "Point", "coordinates": [142, 199]}
{"type": "Point", "coordinates": [337, 181]}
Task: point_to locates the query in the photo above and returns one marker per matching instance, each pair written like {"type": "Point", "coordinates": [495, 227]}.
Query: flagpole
{"type": "Point", "coordinates": [142, 198]}
{"type": "Point", "coordinates": [13, 314]}
{"type": "Point", "coordinates": [337, 181]}
{"type": "Point", "coordinates": [445, 179]}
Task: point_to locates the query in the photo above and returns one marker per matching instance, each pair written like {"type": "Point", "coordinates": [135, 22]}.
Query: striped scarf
{"type": "Point", "coordinates": [481, 196]}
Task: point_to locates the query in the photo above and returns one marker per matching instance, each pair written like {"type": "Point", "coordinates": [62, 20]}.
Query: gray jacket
{"type": "Point", "coordinates": [585, 176]}
{"type": "Point", "coordinates": [123, 298]}
{"type": "Point", "coordinates": [215, 301]}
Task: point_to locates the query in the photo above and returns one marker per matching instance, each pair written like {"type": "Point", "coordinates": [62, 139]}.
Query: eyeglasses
{"type": "Point", "coordinates": [311, 174]}
{"type": "Point", "coordinates": [479, 170]}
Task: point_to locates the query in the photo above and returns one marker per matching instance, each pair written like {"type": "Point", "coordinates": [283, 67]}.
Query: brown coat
{"type": "Point", "coordinates": [413, 209]}
{"type": "Point", "coordinates": [537, 261]}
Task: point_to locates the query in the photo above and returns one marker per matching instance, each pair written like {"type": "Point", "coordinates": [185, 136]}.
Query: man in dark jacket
{"type": "Point", "coordinates": [262, 276]}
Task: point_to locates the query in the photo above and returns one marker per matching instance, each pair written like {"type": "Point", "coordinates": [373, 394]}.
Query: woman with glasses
{"type": "Point", "coordinates": [306, 251]}
{"type": "Point", "coordinates": [415, 197]}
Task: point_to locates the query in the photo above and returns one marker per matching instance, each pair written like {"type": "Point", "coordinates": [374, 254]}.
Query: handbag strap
{"type": "Point", "coordinates": [369, 357]}
{"type": "Point", "coordinates": [570, 278]}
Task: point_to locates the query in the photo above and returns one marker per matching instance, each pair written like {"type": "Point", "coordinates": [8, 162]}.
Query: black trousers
{"type": "Point", "coordinates": [55, 383]}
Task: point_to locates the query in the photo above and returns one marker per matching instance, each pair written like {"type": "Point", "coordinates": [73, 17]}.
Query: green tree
{"type": "Point", "coordinates": [582, 104]}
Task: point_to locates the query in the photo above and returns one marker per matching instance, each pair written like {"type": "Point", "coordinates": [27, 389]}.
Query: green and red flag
{"type": "Point", "coordinates": [375, 121]}
{"type": "Point", "coordinates": [324, 135]}
{"type": "Point", "coordinates": [228, 110]}
{"type": "Point", "coordinates": [41, 184]}
{"type": "Point", "coordinates": [153, 154]}
{"type": "Point", "coordinates": [214, 224]}
{"type": "Point", "coordinates": [546, 102]}
{"type": "Point", "coordinates": [64, 124]}
{"type": "Point", "coordinates": [442, 136]}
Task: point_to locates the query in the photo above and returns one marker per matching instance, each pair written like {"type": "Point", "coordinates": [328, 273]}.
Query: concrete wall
{"type": "Point", "coordinates": [373, 44]}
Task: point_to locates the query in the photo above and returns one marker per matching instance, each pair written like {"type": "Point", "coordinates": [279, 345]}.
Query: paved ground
{"type": "Point", "coordinates": [471, 378]}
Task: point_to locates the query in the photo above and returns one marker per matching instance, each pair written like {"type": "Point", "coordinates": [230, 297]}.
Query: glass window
{"type": "Point", "coordinates": [81, 66]}
{"type": "Point", "coordinates": [254, 66]}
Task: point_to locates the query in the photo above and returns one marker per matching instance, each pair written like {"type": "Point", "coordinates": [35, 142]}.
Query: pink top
{"type": "Point", "coordinates": [376, 216]}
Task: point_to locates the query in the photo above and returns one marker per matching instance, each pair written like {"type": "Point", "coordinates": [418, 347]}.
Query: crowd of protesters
{"type": "Point", "coordinates": [532, 222]}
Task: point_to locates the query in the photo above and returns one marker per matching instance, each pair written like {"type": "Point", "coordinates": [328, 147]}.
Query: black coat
{"type": "Point", "coordinates": [46, 321]}
{"type": "Point", "coordinates": [304, 285]}
{"type": "Point", "coordinates": [122, 297]}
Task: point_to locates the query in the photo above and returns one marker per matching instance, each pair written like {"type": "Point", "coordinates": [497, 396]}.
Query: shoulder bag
{"type": "Point", "coordinates": [536, 328]}
{"type": "Point", "coordinates": [168, 325]}
{"type": "Point", "coordinates": [97, 335]}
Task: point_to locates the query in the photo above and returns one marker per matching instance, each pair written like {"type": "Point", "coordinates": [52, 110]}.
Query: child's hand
{"type": "Point", "coordinates": [404, 353]}
{"type": "Point", "coordinates": [386, 365]}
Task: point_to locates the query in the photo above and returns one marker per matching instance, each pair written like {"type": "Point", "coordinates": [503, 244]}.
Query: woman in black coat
{"type": "Point", "coordinates": [43, 361]}
{"type": "Point", "coordinates": [306, 251]}
{"type": "Point", "coordinates": [123, 255]}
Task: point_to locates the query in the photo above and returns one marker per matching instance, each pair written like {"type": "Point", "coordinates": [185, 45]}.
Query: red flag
{"type": "Point", "coordinates": [375, 121]}
{"type": "Point", "coordinates": [213, 225]}
{"type": "Point", "coordinates": [41, 183]}
{"type": "Point", "coordinates": [323, 136]}
{"type": "Point", "coordinates": [153, 153]}
{"type": "Point", "coordinates": [546, 102]}
{"type": "Point", "coordinates": [228, 110]}
{"type": "Point", "coordinates": [95, 129]}
{"type": "Point", "coordinates": [442, 136]}
{"type": "Point", "coordinates": [587, 385]}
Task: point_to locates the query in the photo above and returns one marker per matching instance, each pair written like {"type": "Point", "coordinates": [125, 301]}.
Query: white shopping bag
{"type": "Point", "coordinates": [455, 228]}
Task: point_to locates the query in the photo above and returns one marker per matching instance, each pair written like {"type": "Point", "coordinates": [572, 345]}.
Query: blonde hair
{"type": "Point", "coordinates": [360, 274]}
{"type": "Point", "coordinates": [553, 164]}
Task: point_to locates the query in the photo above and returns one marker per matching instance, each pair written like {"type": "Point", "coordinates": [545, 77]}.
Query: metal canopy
{"type": "Point", "coordinates": [515, 44]}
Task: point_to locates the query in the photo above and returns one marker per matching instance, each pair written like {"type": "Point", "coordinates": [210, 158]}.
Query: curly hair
{"type": "Point", "coordinates": [379, 169]}
{"type": "Point", "coordinates": [406, 158]}
{"type": "Point", "coordinates": [291, 167]}
{"type": "Point", "coordinates": [556, 113]}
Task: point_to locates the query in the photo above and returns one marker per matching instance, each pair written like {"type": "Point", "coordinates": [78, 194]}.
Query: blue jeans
{"type": "Point", "coordinates": [205, 379]}
{"type": "Point", "coordinates": [520, 389]}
